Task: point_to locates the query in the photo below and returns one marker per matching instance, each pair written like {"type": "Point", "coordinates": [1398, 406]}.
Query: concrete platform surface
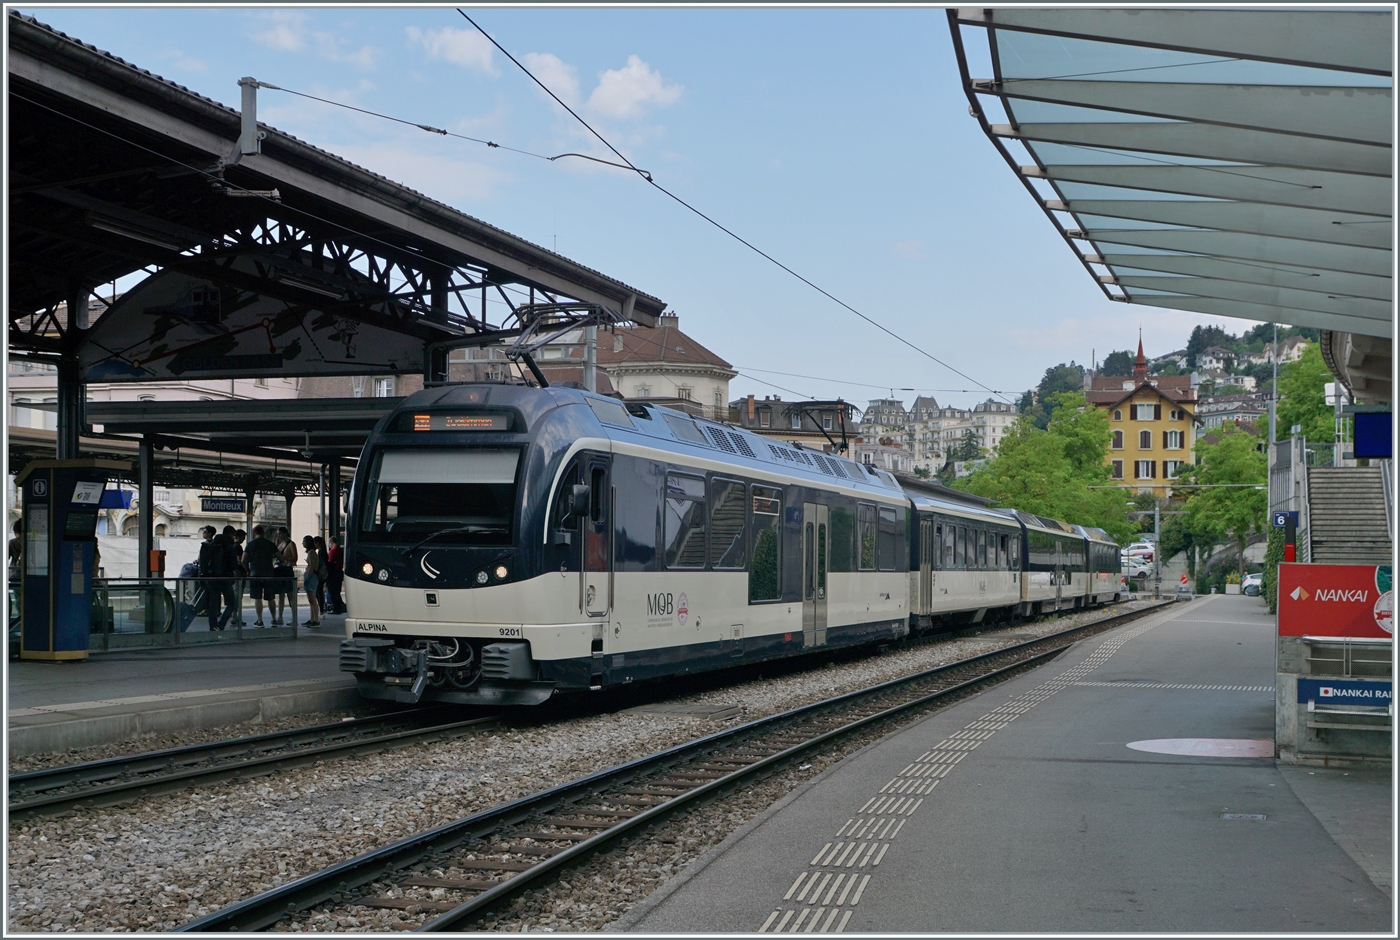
{"type": "Point", "coordinates": [1024, 809]}
{"type": "Point", "coordinates": [122, 695]}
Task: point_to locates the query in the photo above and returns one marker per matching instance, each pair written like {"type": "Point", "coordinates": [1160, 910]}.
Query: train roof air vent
{"type": "Point", "coordinates": [720, 438]}
{"type": "Point", "coordinates": [743, 445]}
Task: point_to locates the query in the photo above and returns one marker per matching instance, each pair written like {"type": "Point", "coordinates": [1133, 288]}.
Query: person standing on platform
{"type": "Point", "coordinates": [240, 585]}
{"type": "Point", "coordinates": [213, 561]}
{"type": "Point", "coordinates": [285, 577]}
{"type": "Point", "coordinates": [17, 551]}
{"type": "Point", "coordinates": [259, 559]}
{"type": "Point", "coordinates": [311, 580]}
{"type": "Point", "coordinates": [335, 561]}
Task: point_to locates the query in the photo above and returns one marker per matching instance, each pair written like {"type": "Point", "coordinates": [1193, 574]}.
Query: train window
{"type": "Point", "coordinates": [949, 537]}
{"type": "Point", "coordinates": [765, 574]}
{"type": "Point", "coordinates": [960, 549]}
{"type": "Point", "coordinates": [937, 559]}
{"type": "Point", "coordinates": [597, 493]}
{"type": "Point", "coordinates": [889, 524]}
{"type": "Point", "coordinates": [810, 567]}
{"type": "Point", "coordinates": [821, 560]}
{"type": "Point", "coordinates": [564, 498]}
{"type": "Point", "coordinates": [865, 532]}
{"type": "Point", "coordinates": [1003, 559]}
{"type": "Point", "coordinates": [685, 521]}
{"type": "Point", "coordinates": [981, 548]}
{"type": "Point", "coordinates": [727, 544]}
{"type": "Point", "coordinates": [414, 493]}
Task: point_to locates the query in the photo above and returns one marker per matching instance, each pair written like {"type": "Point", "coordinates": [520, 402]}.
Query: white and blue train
{"type": "Point", "coordinates": [506, 543]}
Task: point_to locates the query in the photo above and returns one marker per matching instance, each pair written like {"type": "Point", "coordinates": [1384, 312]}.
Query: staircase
{"type": "Point", "coordinates": [1347, 516]}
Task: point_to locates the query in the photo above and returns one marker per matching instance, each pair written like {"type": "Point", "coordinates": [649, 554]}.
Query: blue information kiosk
{"type": "Point", "coordinates": [61, 500]}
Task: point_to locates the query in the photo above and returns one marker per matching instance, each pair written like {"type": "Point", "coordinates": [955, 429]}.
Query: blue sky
{"type": "Point", "coordinates": [838, 141]}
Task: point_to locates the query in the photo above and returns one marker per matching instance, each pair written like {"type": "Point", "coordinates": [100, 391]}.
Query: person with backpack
{"type": "Point", "coordinates": [215, 565]}
{"type": "Point", "coordinates": [311, 580]}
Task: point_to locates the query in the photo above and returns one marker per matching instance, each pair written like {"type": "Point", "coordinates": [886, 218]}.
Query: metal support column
{"type": "Point", "coordinates": [335, 500]}
{"type": "Point", "coordinates": [1156, 547]}
{"type": "Point", "coordinates": [146, 499]}
{"type": "Point", "coordinates": [590, 358]}
{"type": "Point", "coordinates": [70, 386]}
{"type": "Point", "coordinates": [322, 523]}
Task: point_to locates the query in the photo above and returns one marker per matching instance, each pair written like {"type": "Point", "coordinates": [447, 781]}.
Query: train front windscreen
{"type": "Point", "coordinates": [456, 495]}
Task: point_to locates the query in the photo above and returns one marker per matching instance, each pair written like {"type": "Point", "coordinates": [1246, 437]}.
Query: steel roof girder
{"type": "Point", "coordinates": [1270, 185]}
{"type": "Point", "coordinates": [1211, 142]}
{"type": "Point", "coordinates": [1346, 40]}
{"type": "Point", "coordinates": [1354, 114]}
{"type": "Point", "coordinates": [1298, 278]}
{"type": "Point", "coordinates": [1269, 314]}
{"type": "Point", "coordinates": [1250, 247]}
{"type": "Point", "coordinates": [1261, 294]}
{"type": "Point", "coordinates": [1280, 221]}
{"type": "Point", "coordinates": [63, 83]}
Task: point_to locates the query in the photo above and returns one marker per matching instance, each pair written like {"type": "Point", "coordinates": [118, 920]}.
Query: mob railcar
{"type": "Point", "coordinates": [507, 542]}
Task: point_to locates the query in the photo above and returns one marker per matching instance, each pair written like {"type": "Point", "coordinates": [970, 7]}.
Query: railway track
{"type": "Point", "coordinates": [461, 870]}
{"type": "Point", "coordinates": [118, 779]}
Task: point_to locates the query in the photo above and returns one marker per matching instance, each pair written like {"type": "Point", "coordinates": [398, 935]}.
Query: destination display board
{"type": "Point", "coordinates": [448, 421]}
{"type": "Point", "coordinates": [1335, 600]}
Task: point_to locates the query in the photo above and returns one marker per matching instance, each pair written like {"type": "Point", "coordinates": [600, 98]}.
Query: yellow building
{"type": "Point", "coordinates": [1152, 418]}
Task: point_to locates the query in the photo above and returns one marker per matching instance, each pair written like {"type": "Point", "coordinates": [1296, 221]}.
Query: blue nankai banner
{"type": "Point", "coordinates": [1343, 692]}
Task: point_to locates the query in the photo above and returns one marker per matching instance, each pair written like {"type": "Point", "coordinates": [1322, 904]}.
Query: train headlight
{"type": "Point", "coordinates": [501, 572]}
{"type": "Point", "coordinates": [367, 568]}
{"type": "Point", "coordinates": [482, 577]}
{"type": "Point", "coordinates": [384, 574]}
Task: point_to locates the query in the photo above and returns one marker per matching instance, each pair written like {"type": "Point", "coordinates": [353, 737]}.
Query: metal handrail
{"type": "Point", "coordinates": [1389, 499]}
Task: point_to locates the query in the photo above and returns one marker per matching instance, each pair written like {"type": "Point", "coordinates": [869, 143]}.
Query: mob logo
{"type": "Point", "coordinates": [660, 605]}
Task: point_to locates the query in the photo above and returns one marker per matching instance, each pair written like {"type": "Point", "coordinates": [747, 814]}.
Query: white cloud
{"type": "Point", "coordinates": [456, 182]}
{"type": "Point", "coordinates": [184, 62]}
{"type": "Point", "coordinates": [629, 91]}
{"type": "Point", "coordinates": [285, 30]}
{"type": "Point", "coordinates": [911, 249]}
{"type": "Point", "coordinates": [557, 75]}
{"type": "Point", "coordinates": [464, 47]}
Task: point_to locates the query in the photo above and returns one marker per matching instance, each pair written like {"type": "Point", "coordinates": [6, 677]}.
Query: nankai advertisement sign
{"type": "Point", "coordinates": [1335, 600]}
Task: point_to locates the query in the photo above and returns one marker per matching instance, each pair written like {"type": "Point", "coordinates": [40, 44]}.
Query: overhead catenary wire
{"type": "Point", "coordinates": [442, 131]}
{"type": "Point", "coordinates": [752, 247]}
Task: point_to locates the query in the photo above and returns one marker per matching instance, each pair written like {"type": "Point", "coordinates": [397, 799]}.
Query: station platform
{"type": "Point", "coordinates": [1128, 785]}
{"type": "Point", "coordinates": [122, 695]}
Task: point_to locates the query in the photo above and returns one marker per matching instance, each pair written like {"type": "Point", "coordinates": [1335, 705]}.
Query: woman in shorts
{"type": "Point", "coordinates": [284, 578]}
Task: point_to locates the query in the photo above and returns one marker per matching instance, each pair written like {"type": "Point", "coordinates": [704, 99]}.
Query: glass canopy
{"type": "Point", "coordinates": [1229, 162]}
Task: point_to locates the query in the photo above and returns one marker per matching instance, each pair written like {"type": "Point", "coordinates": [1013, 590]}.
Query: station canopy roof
{"type": "Point", "coordinates": [1228, 162]}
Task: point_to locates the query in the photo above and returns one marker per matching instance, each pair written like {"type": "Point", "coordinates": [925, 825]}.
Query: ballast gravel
{"type": "Point", "coordinates": [161, 862]}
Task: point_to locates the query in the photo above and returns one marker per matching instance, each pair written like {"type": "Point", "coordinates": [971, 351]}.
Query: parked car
{"type": "Point", "coordinates": [1252, 584]}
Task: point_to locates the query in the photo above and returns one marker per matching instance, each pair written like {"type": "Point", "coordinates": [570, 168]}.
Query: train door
{"type": "Point", "coordinates": [927, 546]}
{"type": "Point", "coordinates": [815, 548]}
{"type": "Point", "coordinates": [1059, 571]}
{"type": "Point", "coordinates": [597, 538]}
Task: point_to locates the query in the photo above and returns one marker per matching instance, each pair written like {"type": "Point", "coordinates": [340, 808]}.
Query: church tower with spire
{"type": "Point", "coordinates": [1140, 363]}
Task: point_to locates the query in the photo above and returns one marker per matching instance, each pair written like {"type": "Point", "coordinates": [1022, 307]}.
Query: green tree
{"type": "Point", "coordinates": [1057, 379]}
{"type": "Point", "coordinates": [967, 448]}
{"type": "Point", "coordinates": [1118, 362]}
{"type": "Point", "coordinates": [1303, 399]}
{"type": "Point", "coordinates": [1233, 501]}
{"type": "Point", "coordinates": [1060, 472]}
{"type": "Point", "coordinates": [1202, 338]}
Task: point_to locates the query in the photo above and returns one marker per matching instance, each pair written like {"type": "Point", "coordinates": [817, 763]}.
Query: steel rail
{"type": "Point", "coordinates": [334, 882]}
{"type": "Point", "coordinates": [166, 770]}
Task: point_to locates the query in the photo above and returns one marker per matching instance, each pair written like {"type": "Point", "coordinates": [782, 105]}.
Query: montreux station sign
{"type": "Point", "coordinates": [1335, 600]}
